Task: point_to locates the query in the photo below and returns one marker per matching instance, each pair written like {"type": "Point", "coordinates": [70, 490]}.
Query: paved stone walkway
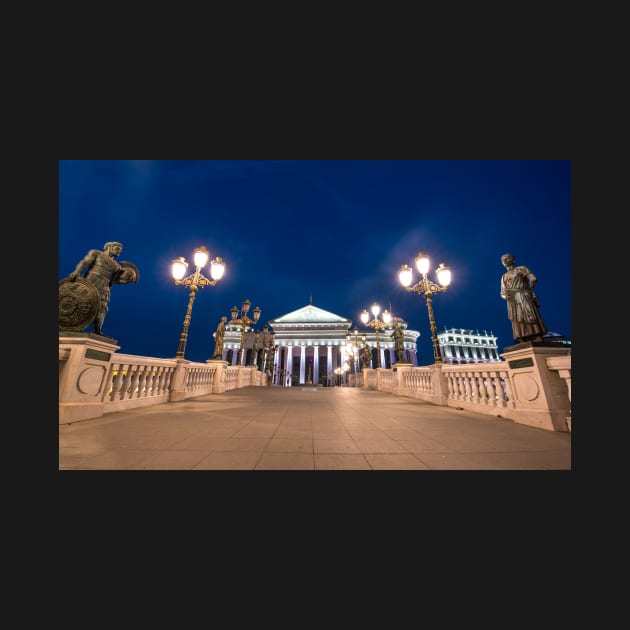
{"type": "Point", "coordinates": [307, 428]}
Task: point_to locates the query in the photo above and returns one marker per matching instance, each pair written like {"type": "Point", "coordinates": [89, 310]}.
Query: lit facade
{"type": "Point", "coordinates": [310, 344]}
{"type": "Point", "coordinates": [459, 345]}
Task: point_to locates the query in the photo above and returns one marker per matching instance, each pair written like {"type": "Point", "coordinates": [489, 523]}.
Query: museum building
{"type": "Point", "coordinates": [310, 343]}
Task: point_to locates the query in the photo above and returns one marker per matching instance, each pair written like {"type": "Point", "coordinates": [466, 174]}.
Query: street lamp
{"type": "Point", "coordinates": [244, 322]}
{"type": "Point", "coordinates": [194, 281]}
{"type": "Point", "coordinates": [353, 346]}
{"type": "Point", "coordinates": [376, 323]}
{"type": "Point", "coordinates": [426, 286]}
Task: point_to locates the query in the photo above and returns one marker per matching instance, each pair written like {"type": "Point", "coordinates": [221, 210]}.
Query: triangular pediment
{"type": "Point", "coordinates": [310, 314]}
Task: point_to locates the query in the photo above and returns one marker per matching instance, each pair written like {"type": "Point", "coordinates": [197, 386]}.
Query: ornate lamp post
{"type": "Point", "coordinates": [352, 343]}
{"type": "Point", "coordinates": [194, 281]}
{"type": "Point", "coordinates": [376, 323]}
{"type": "Point", "coordinates": [428, 288]}
{"type": "Point", "coordinates": [244, 322]}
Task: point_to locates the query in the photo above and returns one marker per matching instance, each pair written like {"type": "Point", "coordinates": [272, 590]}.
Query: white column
{"type": "Point", "coordinates": [302, 363]}
{"type": "Point", "coordinates": [273, 360]}
{"type": "Point", "coordinates": [315, 365]}
{"type": "Point", "coordinates": [288, 368]}
{"type": "Point", "coordinates": [329, 361]}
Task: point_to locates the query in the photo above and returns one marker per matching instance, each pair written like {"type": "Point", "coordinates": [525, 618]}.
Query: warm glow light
{"type": "Point", "coordinates": [179, 268]}
{"type": "Point", "coordinates": [246, 305]}
{"type": "Point", "coordinates": [443, 275]}
{"type": "Point", "coordinates": [365, 316]}
{"type": "Point", "coordinates": [405, 275]}
{"type": "Point", "coordinates": [428, 288]}
{"type": "Point", "coordinates": [423, 263]}
{"type": "Point", "coordinates": [387, 316]}
{"type": "Point", "coordinates": [201, 256]}
{"type": "Point", "coordinates": [217, 268]}
{"type": "Point", "coordinates": [257, 312]}
{"type": "Point", "coordinates": [376, 309]}
{"type": "Point", "coordinates": [234, 312]}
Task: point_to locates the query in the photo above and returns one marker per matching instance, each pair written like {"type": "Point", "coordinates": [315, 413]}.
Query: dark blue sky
{"type": "Point", "coordinates": [338, 230]}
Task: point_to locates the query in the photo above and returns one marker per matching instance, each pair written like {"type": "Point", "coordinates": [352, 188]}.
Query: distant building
{"type": "Point", "coordinates": [460, 345]}
{"type": "Point", "coordinates": [310, 344]}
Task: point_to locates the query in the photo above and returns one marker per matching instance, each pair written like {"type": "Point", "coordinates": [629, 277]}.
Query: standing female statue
{"type": "Point", "coordinates": [366, 356]}
{"type": "Point", "coordinates": [517, 285]}
{"type": "Point", "coordinates": [399, 343]}
{"type": "Point", "coordinates": [218, 338]}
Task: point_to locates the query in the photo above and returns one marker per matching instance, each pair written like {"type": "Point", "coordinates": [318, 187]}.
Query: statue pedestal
{"type": "Point", "coordinates": [84, 364]}
{"type": "Point", "coordinates": [541, 397]}
{"type": "Point", "coordinates": [401, 364]}
{"type": "Point", "coordinates": [85, 335]}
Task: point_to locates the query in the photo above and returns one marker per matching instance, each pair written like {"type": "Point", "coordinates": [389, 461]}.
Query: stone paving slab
{"type": "Point", "coordinates": [336, 428]}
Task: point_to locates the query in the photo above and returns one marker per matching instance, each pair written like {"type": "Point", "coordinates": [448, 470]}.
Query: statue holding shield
{"type": "Point", "coordinates": [84, 300]}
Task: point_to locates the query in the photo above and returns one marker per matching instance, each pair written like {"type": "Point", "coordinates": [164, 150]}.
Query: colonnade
{"type": "Point", "coordinates": [469, 354]}
{"type": "Point", "coordinates": [301, 364]}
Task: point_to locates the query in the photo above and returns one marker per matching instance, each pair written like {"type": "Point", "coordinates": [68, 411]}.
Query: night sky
{"type": "Point", "coordinates": [336, 230]}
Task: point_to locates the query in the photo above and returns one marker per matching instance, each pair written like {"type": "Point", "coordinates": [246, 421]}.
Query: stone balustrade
{"type": "Point", "coordinates": [532, 385]}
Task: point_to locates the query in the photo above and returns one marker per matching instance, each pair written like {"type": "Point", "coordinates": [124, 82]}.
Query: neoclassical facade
{"type": "Point", "coordinates": [310, 343]}
{"type": "Point", "coordinates": [459, 345]}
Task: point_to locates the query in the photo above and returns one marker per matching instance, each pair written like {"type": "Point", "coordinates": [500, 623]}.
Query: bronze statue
{"type": "Point", "coordinates": [270, 358]}
{"type": "Point", "coordinates": [366, 356]}
{"type": "Point", "coordinates": [261, 361]}
{"type": "Point", "coordinates": [218, 338]}
{"type": "Point", "coordinates": [255, 346]}
{"type": "Point", "coordinates": [399, 336]}
{"type": "Point", "coordinates": [85, 300]}
{"type": "Point", "coordinates": [517, 285]}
